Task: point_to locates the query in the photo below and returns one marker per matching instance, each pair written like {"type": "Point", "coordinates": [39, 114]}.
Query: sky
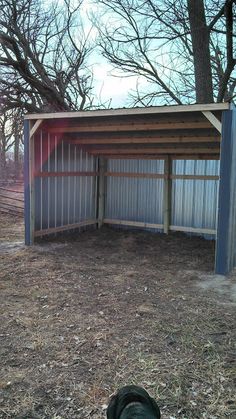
{"type": "Point", "coordinates": [111, 90]}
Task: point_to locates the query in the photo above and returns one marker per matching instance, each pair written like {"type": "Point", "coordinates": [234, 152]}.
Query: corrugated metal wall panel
{"type": "Point", "coordinates": [64, 200]}
{"type": "Point", "coordinates": [135, 199]}
{"type": "Point", "coordinates": [194, 202]}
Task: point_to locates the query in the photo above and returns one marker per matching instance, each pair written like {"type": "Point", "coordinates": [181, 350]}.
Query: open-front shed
{"type": "Point", "coordinates": [168, 168]}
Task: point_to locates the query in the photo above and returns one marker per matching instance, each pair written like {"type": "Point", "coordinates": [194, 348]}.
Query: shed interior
{"type": "Point", "coordinates": [155, 168]}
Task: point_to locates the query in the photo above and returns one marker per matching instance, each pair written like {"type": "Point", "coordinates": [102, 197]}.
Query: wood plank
{"type": "Point", "coordinates": [167, 195]}
{"type": "Point", "coordinates": [102, 164]}
{"type": "Point", "coordinates": [163, 156]}
{"type": "Point", "coordinates": [64, 228]}
{"type": "Point", "coordinates": [135, 175]}
{"type": "Point", "coordinates": [133, 111]}
{"type": "Point", "coordinates": [32, 185]}
{"type": "Point", "coordinates": [132, 223]}
{"type": "Point", "coordinates": [157, 150]}
{"type": "Point", "coordinates": [137, 126]}
{"type": "Point", "coordinates": [192, 230]}
{"type": "Point", "coordinates": [194, 177]}
{"type": "Point", "coordinates": [213, 120]}
{"type": "Point", "coordinates": [64, 174]}
{"type": "Point", "coordinates": [35, 127]}
{"type": "Point", "coordinates": [146, 140]}
{"type": "Point", "coordinates": [124, 174]}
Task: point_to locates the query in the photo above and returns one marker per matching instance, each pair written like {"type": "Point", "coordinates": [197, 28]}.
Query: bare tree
{"type": "Point", "coordinates": [6, 140]}
{"type": "Point", "coordinates": [43, 56]}
{"type": "Point", "coordinates": [183, 49]}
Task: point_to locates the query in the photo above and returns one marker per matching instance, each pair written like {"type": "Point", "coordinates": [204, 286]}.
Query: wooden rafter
{"type": "Point", "coordinates": [145, 140]}
{"type": "Point", "coordinates": [35, 127]}
{"type": "Point", "coordinates": [133, 126]}
{"type": "Point", "coordinates": [213, 120]}
{"type": "Point", "coordinates": [156, 150]}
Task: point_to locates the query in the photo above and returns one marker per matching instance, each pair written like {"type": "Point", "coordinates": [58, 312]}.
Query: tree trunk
{"type": "Point", "coordinates": [201, 52]}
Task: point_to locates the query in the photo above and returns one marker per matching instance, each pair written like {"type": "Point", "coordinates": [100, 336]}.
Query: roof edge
{"type": "Point", "coordinates": [133, 111]}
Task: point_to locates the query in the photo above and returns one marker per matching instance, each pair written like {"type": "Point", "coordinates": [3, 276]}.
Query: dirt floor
{"type": "Point", "coordinates": [83, 316]}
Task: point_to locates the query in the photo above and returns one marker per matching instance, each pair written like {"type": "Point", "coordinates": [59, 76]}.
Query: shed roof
{"type": "Point", "coordinates": [182, 131]}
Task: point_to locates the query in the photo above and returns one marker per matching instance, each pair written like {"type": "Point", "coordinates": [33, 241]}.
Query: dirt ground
{"type": "Point", "coordinates": [85, 315]}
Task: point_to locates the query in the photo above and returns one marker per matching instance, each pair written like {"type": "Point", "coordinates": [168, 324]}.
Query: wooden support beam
{"type": "Point", "coordinates": [167, 194]}
{"type": "Point", "coordinates": [180, 139]}
{"type": "Point", "coordinates": [64, 174]}
{"type": "Point", "coordinates": [135, 175]}
{"type": "Point", "coordinates": [163, 156]}
{"type": "Point", "coordinates": [137, 126]}
{"type": "Point", "coordinates": [213, 120]}
{"type": "Point", "coordinates": [158, 226]}
{"type": "Point", "coordinates": [192, 230]}
{"type": "Point", "coordinates": [32, 185]}
{"type": "Point", "coordinates": [102, 164]}
{"type": "Point", "coordinates": [35, 127]}
{"type": "Point", "coordinates": [194, 177]}
{"type": "Point", "coordinates": [142, 151]}
{"type": "Point", "coordinates": [132, 223]}
{"type": "Point", "coordinates": [47, 231]}
{"type": "Point", "coordinates": [124, 174]}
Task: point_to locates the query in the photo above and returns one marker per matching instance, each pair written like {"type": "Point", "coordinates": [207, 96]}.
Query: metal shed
{"type": "Point", "coordinates": [167, 168]}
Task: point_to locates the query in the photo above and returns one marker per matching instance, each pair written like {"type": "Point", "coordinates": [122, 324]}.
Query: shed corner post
{"type": "Point", "coordinates": [102, 166]}
{"type": "Point", "coordinates": [28, 184]}
{"type": "Point", "coordinates": [167, 194]}
{"type": "Point", "coordinates": [226, 220]}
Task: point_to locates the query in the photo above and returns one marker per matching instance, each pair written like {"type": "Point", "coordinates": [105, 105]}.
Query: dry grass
{"type": "Point", "coordinates": [82, 317]}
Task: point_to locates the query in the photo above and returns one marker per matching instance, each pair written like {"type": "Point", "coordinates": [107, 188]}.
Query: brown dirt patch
{"type": "Point", "coordinates": [82, 317]}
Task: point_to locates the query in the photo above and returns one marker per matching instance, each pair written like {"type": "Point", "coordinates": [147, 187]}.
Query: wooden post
{"type": "Point", "coordinates": [32, 186]}
{"type": "Point", "coordinates": [29, 184]}
{"type": "Point", "coordinates": [101, 190]}
{"type": "Point", "coordinates": [167, 194]}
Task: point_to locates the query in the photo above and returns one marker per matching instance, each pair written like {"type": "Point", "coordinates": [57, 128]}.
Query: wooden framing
{"type": "Point", "coordinates": [127, 174]}
{"type": "Point", "coordinates": [101, 190]}
{"type": "Point", "coordinates": [129, 223]}
{"type": "Point", "coordinates": [141, 151]}
{"type": "Point", "coordinates": [137, 111]}
{"type": "Point", "coordinates": [157, 139]}
{"type": "Point", "coordinates": [35, 127]}
{"type": "Point", "coordinates": [59, 229]}
{"type": "Point", "coordinates": [213, 120]}
{"type": "Point", "coordinates": [168, 133]}
{"type": "Point", "coordinates": [158, 126]}
{"type": "Point", "coordinates": [167, 194]}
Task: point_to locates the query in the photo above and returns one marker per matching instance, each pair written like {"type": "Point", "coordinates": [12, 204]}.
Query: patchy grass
{"type": "Point", "coordinates": [83, 316]}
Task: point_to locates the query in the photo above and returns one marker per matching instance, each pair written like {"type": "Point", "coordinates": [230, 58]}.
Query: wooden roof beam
{"type": "Point", "coordinates": [35, 127]}
{"type": "Point", "coordinates": [145, 140]}
{"type": "Point", "coordinates": [142, 151]}
{"type": "Point", "coordinates": [134, 126]}
{"type": "Point", "coordinates": [213, 120]}
{"type": "Point", "coordinates": [164, 156]}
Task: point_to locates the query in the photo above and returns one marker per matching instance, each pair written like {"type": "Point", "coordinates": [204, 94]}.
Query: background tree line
{"type": "Point", "coordinates": [181, 51]}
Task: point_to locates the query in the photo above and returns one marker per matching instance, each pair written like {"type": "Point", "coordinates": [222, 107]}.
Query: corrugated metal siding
{"type": "Point", "coordinates": [135, 199]}
{"type": "Point", "coordinates": [64, 200]}
{"type": "Point", "coordinates": [194, 202]}
{"type": "Point", "coordinates": [226, 232]}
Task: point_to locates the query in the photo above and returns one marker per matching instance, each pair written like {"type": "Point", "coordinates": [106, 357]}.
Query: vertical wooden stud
{"type": "Point", "coordinates": [101, 190]}
{"type": "Point", "coordinates": [32, 186]}
{"type": "Point", "coordinates": [167, 194]}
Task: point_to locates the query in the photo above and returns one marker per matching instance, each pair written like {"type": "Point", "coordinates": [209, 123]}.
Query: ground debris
{"type": "Point", "coordinates": [83, 316]}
